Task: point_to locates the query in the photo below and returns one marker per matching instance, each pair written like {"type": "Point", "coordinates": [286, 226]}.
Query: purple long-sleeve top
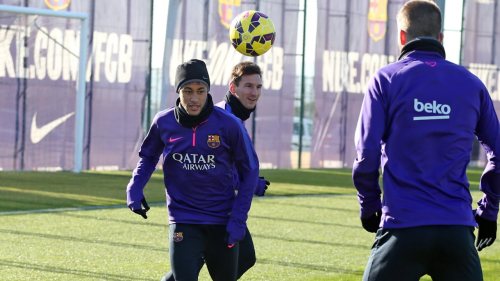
{"type": "Point", "coordinates": [417, 123]}
{"type": "Point", "coordinates": [198, 170]}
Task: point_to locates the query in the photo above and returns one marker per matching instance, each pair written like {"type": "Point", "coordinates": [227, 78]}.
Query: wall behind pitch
{"type": "Point", "coordinates": [38, 69]}
{"type": "Point", "coordinates": [354, 39]}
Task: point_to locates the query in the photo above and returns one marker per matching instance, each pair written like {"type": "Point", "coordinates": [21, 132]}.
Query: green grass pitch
{"type": "Point", "coordinates": [305, 228]}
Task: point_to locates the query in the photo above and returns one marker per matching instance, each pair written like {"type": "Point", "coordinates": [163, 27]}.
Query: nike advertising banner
{"type": "Point", "coordinates": [202, 32]}
{"type": "Point", "coordinates": [38, 70]}
{"type": "Point", "coordinates": [354, 39]}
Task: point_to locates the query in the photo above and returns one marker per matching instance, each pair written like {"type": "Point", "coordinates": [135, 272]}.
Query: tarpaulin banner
{"type": "Point", "coordinates": [354, 39]}
{"type": "Point", "coordinates": [38, 71]}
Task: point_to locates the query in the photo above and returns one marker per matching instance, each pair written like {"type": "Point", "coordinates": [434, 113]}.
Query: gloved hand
{"type": "Point", "coordinates": [487, 232]}
{"type": "Point", "coordinates": [235, 233]}
{"type": "Point", "coordinates": [140, 210]}
{"type": "Point", "coordinates": [262, 185]}
{"type": "Point", "coordinates": [371, 224]}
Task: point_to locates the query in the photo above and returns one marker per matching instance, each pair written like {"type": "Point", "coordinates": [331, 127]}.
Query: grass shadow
{"type": "Point", "coordinates": [59, 238]}
{"type": "Point", "coordinates": [107, 219]}
{"type": "Point", "coordinates": [308, 206]}
{"type": "Point", "coordinates": [311, 267]}
{"type": "Point", "coordinates": [302, 221]}
{"type": "Point", "coordinates": [315, 177]}
{"type": "Point", "coordinates": [313, 242]}
{"type": "Point", "coordinates": [75, 272]}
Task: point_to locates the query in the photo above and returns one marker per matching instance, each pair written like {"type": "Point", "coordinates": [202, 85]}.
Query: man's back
{"type": "Point", "coordinates": [433, 108]}
{"type": "Point", "coordinates": [417, 122]}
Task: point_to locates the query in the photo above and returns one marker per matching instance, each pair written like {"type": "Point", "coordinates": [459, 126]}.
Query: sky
{"type": "Point", "coordinates": [452, 26]}
{"type": "Point", "coordinates": [160, 11]}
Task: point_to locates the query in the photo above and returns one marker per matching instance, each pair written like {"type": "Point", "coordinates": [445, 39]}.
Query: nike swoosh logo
{"type": "Point", "coordinates": [39, 133]}
{"type": "Point", "coordinates": [174, 139]}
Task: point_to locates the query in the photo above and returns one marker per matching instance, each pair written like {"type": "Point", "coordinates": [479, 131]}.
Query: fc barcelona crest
{"type": "Point", "coordinates": [178, 236]}
{"type": "Point", "coordinates": [213, 141]}
{"type": "Point", "coordinates": [377, 19]}
{"type": "Point", "coordinates": [226, 11]}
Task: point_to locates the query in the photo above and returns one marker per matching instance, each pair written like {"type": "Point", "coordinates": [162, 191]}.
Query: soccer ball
{"type": "Point", "coordinates": [252, 33]}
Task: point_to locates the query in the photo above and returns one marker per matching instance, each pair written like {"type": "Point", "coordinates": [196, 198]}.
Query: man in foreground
{"type": "Point", "coordinates": [241, 100]}
{"type": "Point", "coordinates": [201, 147]}
{"type": "Point", "coordinates": [418, 121]}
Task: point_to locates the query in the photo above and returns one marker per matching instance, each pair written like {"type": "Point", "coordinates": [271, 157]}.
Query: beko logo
{"type": "Point", "coordinates": [439, 111]}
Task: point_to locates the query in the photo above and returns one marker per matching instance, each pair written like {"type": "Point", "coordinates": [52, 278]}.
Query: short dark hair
{"type": "Point", "coordinates": [244, 68]}
{"type": "Point", "coordinates": [420, 18]}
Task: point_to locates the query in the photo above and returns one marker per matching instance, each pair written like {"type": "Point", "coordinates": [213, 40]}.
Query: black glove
{"type": "Point", "coordinates": [487, 232]}
{"type": "Point", "coordinates": [262, 185]}
{"type": "Point", "coordinates": [371, 223]}
{"type": "Point", "coordinates": [141, 211]}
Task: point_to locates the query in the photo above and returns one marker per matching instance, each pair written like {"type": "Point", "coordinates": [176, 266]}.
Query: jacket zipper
{"type": "Point", "coordinates": [194, 133]}
{"type": "Point", "coordinates": [194, 136]}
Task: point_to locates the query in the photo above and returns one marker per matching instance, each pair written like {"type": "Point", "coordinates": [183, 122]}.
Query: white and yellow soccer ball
{"type": "Point", "coordinates": [252, 33]}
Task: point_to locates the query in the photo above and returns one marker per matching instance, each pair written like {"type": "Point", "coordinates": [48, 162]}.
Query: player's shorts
{"type": "Point", "coordinates": [193, 244]}
{"type": "Point", "coordinates": [446, 253]}
{"type": "Point", "coordinates": [246, 257]}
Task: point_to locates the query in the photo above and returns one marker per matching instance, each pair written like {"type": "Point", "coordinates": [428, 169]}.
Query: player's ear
{"type": "Point", "coordinates": [440, 37]}
{"type": "Point", "coordinates": [402, 37]}
{"type": "Point", "coordinates": [232, 87]}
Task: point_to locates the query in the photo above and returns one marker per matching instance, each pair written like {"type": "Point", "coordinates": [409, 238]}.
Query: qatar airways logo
{"type": "Point", "coordinates": [194, 161]}
{"type": "Point", "coordinates": [438, 111]}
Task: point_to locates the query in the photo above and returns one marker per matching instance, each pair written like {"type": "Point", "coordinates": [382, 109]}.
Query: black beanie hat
{"type": "Point", "coordinates": [191, 71]}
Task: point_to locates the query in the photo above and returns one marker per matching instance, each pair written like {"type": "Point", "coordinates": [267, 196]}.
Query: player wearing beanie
{"type": "Point", "coordinates": [199, 145]}
{"type": "Point", "coordinates": [241, 100]}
